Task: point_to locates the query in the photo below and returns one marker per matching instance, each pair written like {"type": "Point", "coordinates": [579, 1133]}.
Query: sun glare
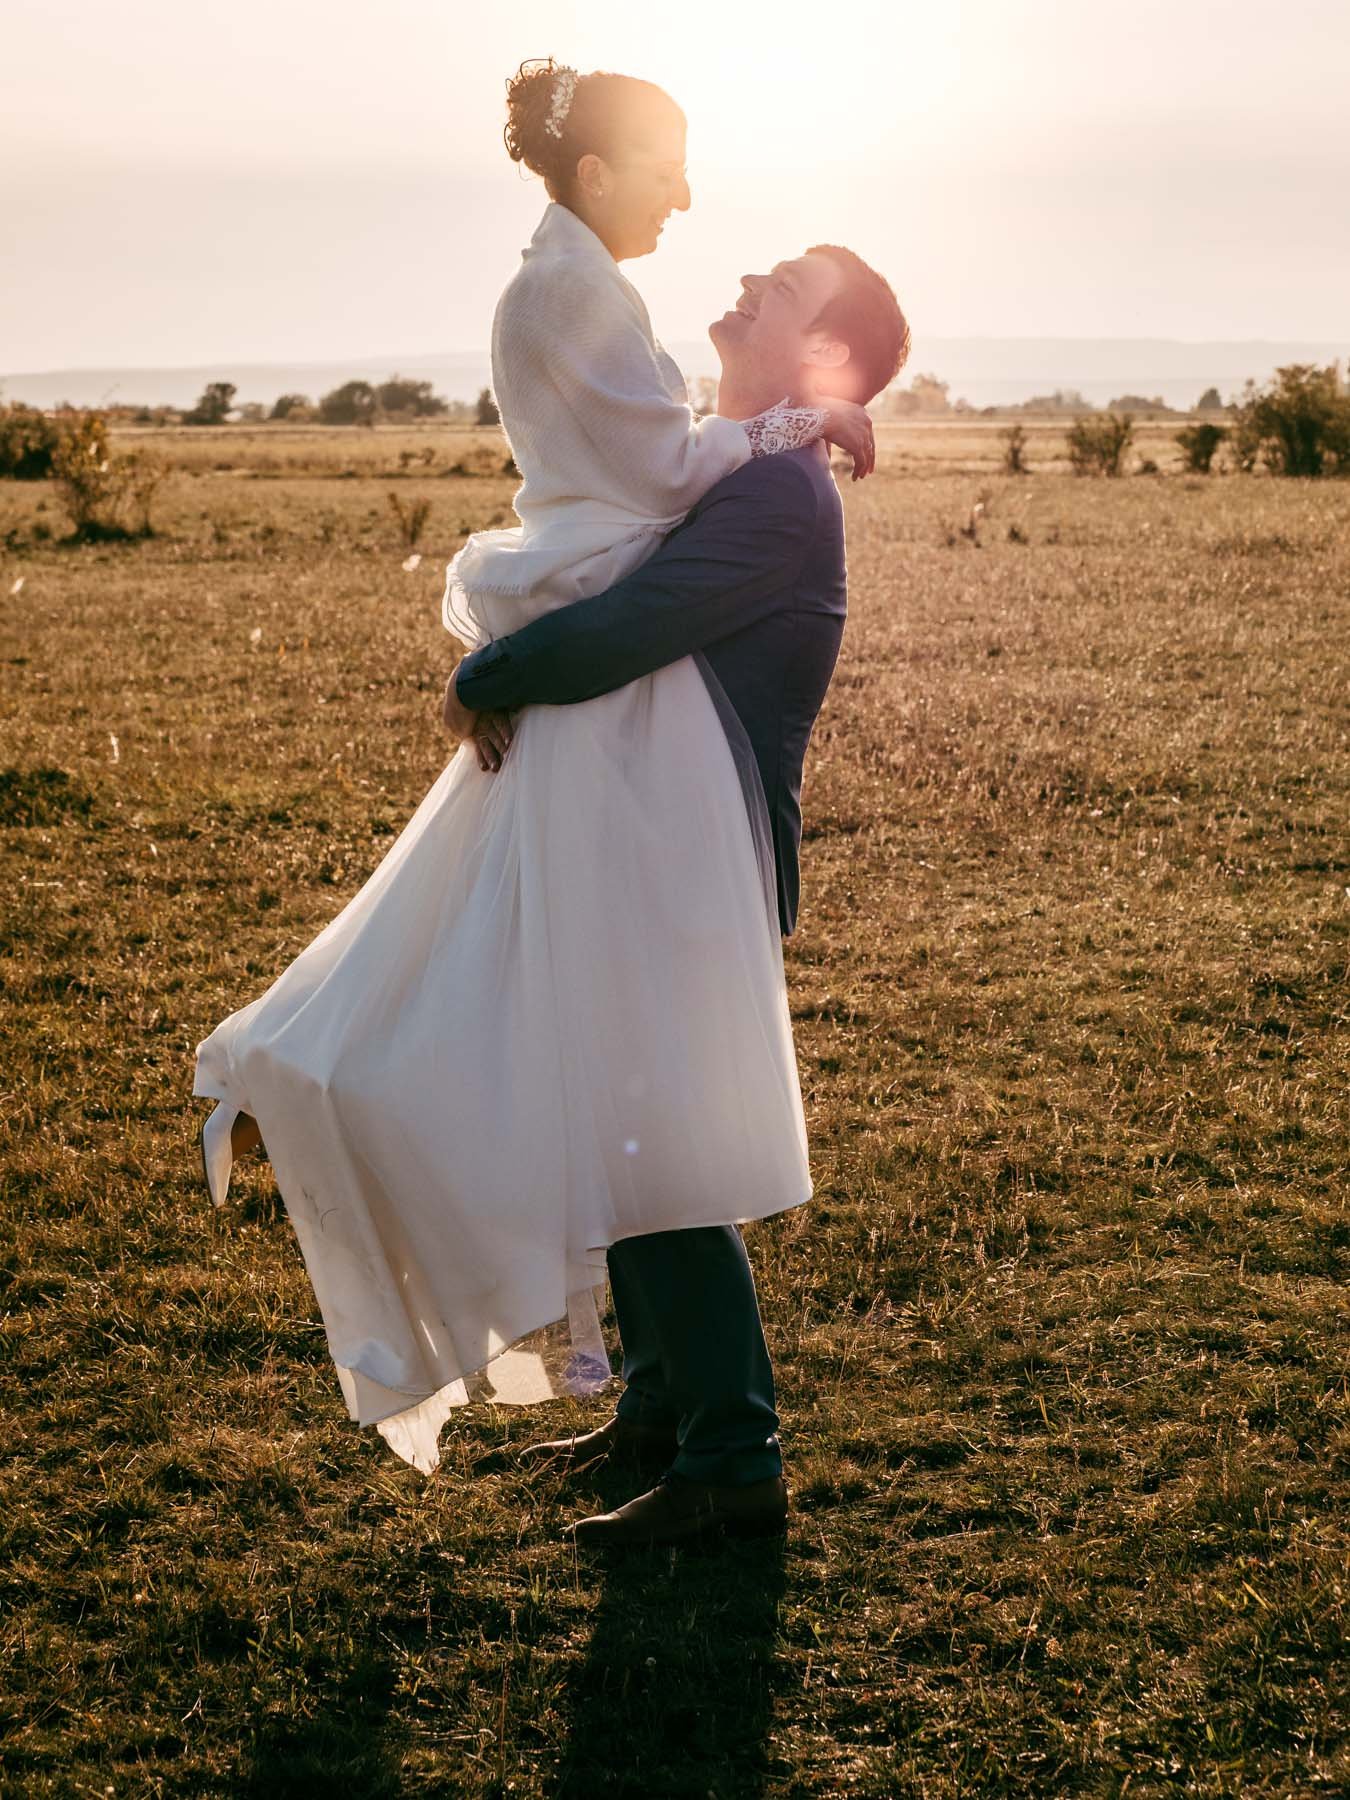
{"type": "Point", "coordinates": [779, 94]}
{"type": "Point", "coordinates": [799, 127]}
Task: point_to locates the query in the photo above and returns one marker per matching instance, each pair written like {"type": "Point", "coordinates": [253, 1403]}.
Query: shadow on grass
{"type": "Point", "coordinates": [344, 1747]}
{"type": "Point", "coordinates": [675, 1695]}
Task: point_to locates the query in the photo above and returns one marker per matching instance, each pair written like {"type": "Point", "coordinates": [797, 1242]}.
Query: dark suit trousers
{"type": "Point", "coordinates": [694, 1355]}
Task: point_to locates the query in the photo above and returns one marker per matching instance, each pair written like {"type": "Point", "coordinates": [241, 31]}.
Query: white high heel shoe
{"type": "Point", "coordinates": [217, 1156]}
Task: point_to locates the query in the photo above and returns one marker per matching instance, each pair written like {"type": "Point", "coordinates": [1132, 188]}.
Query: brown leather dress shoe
{"type": "Point", "coordinates": [616, 1437]}
{"type": "Point", "coordinates": [677, 1509]}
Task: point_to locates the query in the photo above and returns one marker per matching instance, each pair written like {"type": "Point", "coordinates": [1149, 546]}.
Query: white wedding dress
{"type": "Point", "coordinates": [555, 1014]}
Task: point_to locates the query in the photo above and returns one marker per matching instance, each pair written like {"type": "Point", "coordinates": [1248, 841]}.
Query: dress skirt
{"type": "Point", "coordinates": [553, 1017]}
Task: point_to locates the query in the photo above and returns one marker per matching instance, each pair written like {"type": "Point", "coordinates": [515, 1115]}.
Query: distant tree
{"type": "Point", "coordinates": [1097, 445]}
{"type": "Point", "coordinates": [216, 401]}
{"type": "Point", "coordinates": [400, 395]}
{"type": "Point", "coordinates": [351, 404]}
{"type": "Point", "coordinates": [28, 441]}
{"type": "Point", "coordinates": [931, 394]}
{"type": "Point", "coordinates": [1209, 401]}
{"type": "Point", "coordinates": [1136, 403]}
{"type": "Point", "coordinates": [286, 406]}
{"type": "Point", "coordinates": [485, 411]}
{"type": "Point", "coordinates": [1061, 401]}
{"type": "Point", "coordinates": [924, 395]}
{"type": "Point", "coordinates": [252, 412]}
{"type": "Point", "coordinates": [1198, 444]}
{"type": "Point", "coordinates": [703, 395]}
{"type": "Point", "coordinates": [1299, 423]}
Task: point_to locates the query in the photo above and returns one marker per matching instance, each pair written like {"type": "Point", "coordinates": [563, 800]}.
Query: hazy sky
{"type": "Point", "coordinates": [183, 180]}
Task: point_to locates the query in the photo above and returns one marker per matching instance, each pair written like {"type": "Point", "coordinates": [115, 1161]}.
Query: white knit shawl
{"type": "Point", "coordinates": [598, 420]}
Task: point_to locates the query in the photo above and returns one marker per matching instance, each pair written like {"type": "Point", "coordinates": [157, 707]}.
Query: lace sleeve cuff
{"type": "Point", "coordinates": [784, 427]}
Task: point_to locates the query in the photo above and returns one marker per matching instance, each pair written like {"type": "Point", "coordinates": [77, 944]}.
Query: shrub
{"type": "Point", "coordinates": [412, 518]}
{"type": "Point", "coordinates": [28, 441]}
{"type": "Point", "coordinates": [292, 406]}
{"type": "Point", "coordinates": [1097, 445]}
{"type": "Point", "coordinates": [351, 404]}
{"type": "Point", "coordinates": [970, 531]}
{"type": "Point", "coordinates": [1246, 445]}
{"type": "Point", "coordinates": [479, 460]}
{"type": "Point", "coordinates": [1198, 444]}
{"type": "Point", "coordinates": [108, 495]}
{"type": "Point", "coordinates": [1209, 401]}
{"type": "Point", "coordinates": [1299, 423]}
{"type": "Point", "coordinates": [485, 412]}
{"type": "Point", "coordinates": [1014, 450]}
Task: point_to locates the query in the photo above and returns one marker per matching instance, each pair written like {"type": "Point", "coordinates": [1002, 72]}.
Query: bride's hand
{"type": "Point", "coordinates": [492, 735]}
{"type": "Point", "coordinates": [490, 732]}
{"type": "Point", "coordinates": [849, 427]}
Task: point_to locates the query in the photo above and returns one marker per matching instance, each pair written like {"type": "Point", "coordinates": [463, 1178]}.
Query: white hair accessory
{"type": "Point", "coordinates": [564, 88]}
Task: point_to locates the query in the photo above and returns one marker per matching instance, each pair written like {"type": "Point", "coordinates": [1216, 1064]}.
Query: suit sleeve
{"type": "Point", "coordinates": [723, 569]}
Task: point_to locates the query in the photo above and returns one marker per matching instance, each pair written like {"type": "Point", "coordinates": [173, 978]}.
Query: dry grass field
{"type": "Point", "coordinates": [1061, 1341]}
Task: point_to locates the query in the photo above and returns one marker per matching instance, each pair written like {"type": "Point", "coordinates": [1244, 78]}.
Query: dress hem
{"type": "Point", "coordinates": [419, 1397]}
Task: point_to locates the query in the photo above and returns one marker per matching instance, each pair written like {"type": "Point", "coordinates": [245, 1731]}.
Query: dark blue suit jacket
{"type": "Point", "coordinates": [754, 578]}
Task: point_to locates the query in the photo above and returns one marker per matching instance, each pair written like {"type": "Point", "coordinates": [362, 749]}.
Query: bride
{"type": "Point", "coordinates": [555, 1015]}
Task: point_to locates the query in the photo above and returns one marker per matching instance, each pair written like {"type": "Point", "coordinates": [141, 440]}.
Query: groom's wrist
{"type": "Point", "coordinates": [479, 678]}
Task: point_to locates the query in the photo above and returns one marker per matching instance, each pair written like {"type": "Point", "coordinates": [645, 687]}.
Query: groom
{"type": "Point", "coordinates": [752, 582]}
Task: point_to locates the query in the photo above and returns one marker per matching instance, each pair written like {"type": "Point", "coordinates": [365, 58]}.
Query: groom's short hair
{"type": "Point", "coordinates": [866, 316]}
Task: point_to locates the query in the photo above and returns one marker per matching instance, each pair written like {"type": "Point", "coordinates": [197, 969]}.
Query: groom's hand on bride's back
{"type": "Point", "coordinates": [489, 732]}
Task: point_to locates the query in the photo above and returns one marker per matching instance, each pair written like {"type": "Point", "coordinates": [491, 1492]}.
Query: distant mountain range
{"type": "Point", "coordinates": [985, 371]}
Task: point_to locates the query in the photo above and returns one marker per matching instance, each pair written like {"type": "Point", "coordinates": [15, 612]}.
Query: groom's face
{"type": "Point", "coordinates": [771, 333]}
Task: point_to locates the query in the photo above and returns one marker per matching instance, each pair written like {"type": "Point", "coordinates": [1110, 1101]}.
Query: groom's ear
{"type": "Point", "coordinates": [829, 360]}
{"type": "Point", "coordinates": [824, 351]}
{"type": "Point", "coordinates": [830, 368]}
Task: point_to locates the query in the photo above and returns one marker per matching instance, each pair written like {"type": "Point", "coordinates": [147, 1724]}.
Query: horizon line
{"type": "Point", "coordinates": [268, 362]}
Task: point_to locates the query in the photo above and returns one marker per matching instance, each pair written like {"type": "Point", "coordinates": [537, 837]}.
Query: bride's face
{"type": "Point", "coordinates": [626, 202]}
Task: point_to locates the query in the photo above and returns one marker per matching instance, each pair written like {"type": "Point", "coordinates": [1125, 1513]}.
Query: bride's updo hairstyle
{"type": "Point", "coordinates": [607, 115]}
